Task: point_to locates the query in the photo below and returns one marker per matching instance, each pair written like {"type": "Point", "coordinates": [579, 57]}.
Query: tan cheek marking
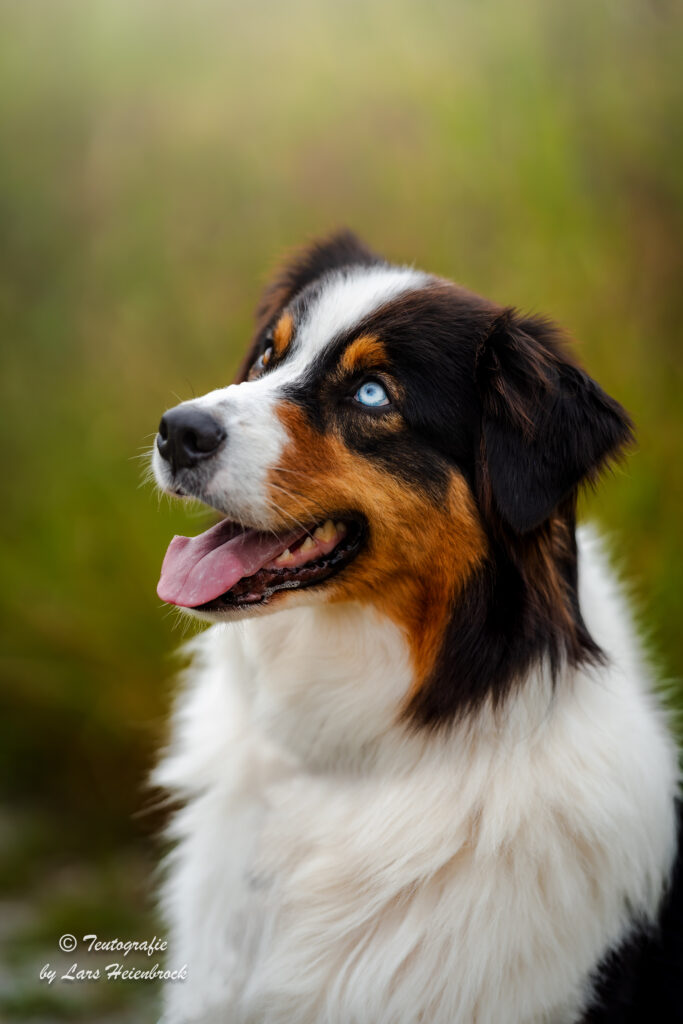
{"type": "Point", "coordinates": [418, 556]}
{"type": "Point", "coordinates": [365, 352]}
{"type": "Point", "coordinates": [282, 335]}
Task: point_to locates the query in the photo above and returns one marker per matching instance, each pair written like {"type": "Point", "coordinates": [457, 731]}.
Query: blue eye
{"type": "Point", "coordinates": [371, 394]}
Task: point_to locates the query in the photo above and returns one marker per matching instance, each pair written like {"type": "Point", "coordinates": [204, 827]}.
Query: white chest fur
{"type": "Point", "coordinates": [332, 867]}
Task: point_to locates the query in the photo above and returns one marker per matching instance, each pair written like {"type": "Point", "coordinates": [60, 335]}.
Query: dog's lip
{"type": "Point", "coordinates": [198, 570]}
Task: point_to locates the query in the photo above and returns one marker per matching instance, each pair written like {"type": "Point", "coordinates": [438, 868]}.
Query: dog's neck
{"type": "Point", "coordinates": [327, 681]}
{"type": "Point", "coordinates": [330, 684]}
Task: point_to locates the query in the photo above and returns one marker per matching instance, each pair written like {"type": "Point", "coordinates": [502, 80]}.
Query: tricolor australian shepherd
{"type": "Point", "coordinates": [424, 776]}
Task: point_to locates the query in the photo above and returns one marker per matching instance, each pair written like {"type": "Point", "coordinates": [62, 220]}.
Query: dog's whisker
{"type": "Point", "coordinates": [289, 493]}
{"type": "Point", "coordinates": [293, 472]}
{"type": "Point", "coordinates": [288, 515]}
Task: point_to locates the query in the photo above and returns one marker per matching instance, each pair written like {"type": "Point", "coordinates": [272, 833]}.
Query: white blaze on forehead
{"type": "Point", "coordinates": [345, 299]}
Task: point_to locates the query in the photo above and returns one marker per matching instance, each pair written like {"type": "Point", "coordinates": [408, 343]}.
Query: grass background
{"type": "Point", "coordinates": [155, 158]}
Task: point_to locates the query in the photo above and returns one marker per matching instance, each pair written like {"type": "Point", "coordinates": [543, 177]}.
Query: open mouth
{"type": "Point", "coordinates": [229, 566]}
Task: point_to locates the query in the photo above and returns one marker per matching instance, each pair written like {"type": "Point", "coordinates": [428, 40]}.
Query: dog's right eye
{"type": "Point", "coordinates": [259, 365]}
{"type": "Point", "coordinates": [372, 395]}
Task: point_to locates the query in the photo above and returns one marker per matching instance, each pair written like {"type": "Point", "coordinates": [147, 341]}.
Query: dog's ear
{"type": "Point", "coordinates": [546, 425]}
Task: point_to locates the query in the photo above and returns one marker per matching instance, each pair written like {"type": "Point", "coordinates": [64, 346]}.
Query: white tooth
{"type": "Point", "coordinates": [341, 529]}
{"type": "Point", "coordinates": [308, 545]}
{"type": "Point", "coordinates": [326, 532]}
{"type": "Point", "coordinates": [285, 557]}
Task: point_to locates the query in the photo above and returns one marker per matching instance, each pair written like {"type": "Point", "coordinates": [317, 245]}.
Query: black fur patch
{"type": "Point", "coordinates": [544, 428]}
{"type": "Point", "coordinates": [506, 622]}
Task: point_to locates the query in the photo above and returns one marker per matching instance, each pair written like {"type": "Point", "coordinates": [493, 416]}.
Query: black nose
{"type": "Point", "coordinates": [187, 435]}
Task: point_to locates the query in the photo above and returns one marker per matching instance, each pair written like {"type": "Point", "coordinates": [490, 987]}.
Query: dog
{"type": "Point", "coordinates": [424, 775]}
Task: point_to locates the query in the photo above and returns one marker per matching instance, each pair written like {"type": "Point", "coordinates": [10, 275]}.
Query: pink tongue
{"type": "Point", "coordinates": [199, 569]}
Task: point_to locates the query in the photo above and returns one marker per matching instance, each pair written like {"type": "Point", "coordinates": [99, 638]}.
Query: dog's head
{"type": "Point", "coordinates": [395, 440]}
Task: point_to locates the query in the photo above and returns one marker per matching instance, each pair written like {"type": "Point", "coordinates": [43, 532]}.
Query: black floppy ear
{"type": "Point", "coordinates": [546, 425]}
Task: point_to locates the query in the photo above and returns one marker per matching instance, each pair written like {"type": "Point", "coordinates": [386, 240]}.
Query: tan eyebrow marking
{"type": "Point", "coordinates": [365, 352]}
{"type": "Point", "coordinates": [282, 335]}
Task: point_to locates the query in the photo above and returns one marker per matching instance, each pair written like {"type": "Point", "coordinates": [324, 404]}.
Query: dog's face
{"type": "Point", "coordinates": [392, 439]}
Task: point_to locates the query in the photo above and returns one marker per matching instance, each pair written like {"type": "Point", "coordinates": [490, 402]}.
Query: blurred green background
{"type": "Point", "coordinates": [156, 157]}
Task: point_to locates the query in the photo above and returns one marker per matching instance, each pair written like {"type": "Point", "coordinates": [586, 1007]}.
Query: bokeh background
{"type": "Point", "coordinates": [156, 157]}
